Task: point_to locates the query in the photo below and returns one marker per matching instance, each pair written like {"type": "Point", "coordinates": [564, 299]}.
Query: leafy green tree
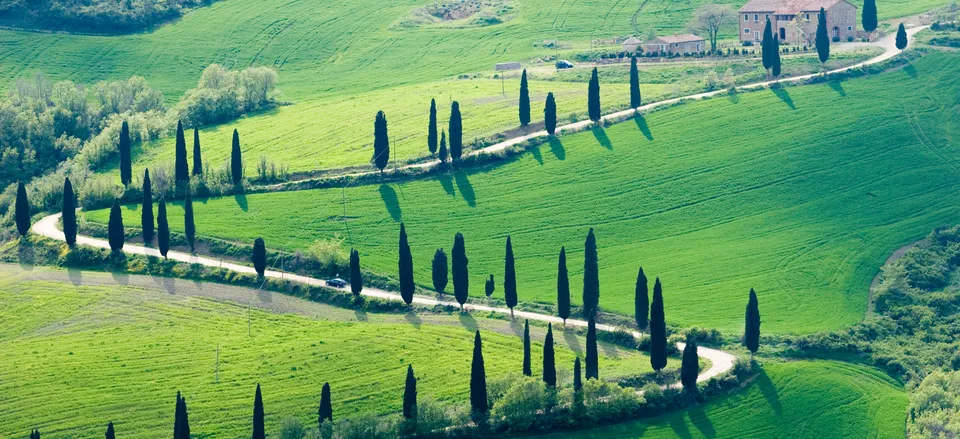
{"type": "Point", "coordinates": [146, 209]}
{"type": "Point", "coordinates": [563, 287]}
{"type": "Point", "coordinates": [325, 413]}
{"type": "Point", "coordinates": [527, 371]}
{"type": "Point", "coordinates": [456, 132]}
{"type": "Point", "coordinates": [432, 128]}
{"type": "Point", "coordinates": [641, 301]}
{"type": "Point", "coordinates": [115, 227]}
{"type": "Point", "coordinates": [489, 287]}
{"type": "Point", "coordinates": [258, 421]}
{"type": "Point", "coordinates": [509, 278]}
{"type": "Point", "coordinates": [197, 160]}
{"type": "Point", "coordinates": [593, 97]}
{"type": "Point", "coordinates": [410, 395]}
{"type": "Point", "coordinates": [550, 114]}
{"type": "Point", "coordinates": [69, 214]}
{"type": "Point", "coordinates": [658, 329]}
{"type": "Point", "coordinates": [440, 270]}
{"type": "Point", "coordinates": [524, 100]}
{"type": "Point", "coordinates": [236, 160]}
{"type": "Point", "coordinates": [901, 37]}
{"type": "Point", "coordinates": [593, 368]}
{"type": "Point", "coordinates": [690, 366]}
{"type": "Point", "coordinates": [22, 207]}
{"type": "Point", "coordinates": [822, 39]}
{"type": "Point", "coordinates": [163, 229]}
{"type": "Point", "coordinates": [869, 17]}
{"type": "Point", "coordinates": [444, 155]}
{"type": "Point", "coordinates": [126, 172]}
{"type": "Point", "coordinates": [591, 276]}
{"type": "Point", "coordinates": [635, 100]}
{"type": "Point", "coordinates": [189, 228]}
{"type": "Point", "coordinates": [549, 366]}
{"type": "Point", "coordinates": [110, 433]}
{"type": "Point", "coordinates": [356, 277]}
{"type": "Point", "coordinates": [478, 378]}
{"type": "Point", "coordinates": [766, 47]}
{"type": "Point", "coordinates": [181, 171]}
{"type": "Point", "coordinates": [777, 65]}
{"type": "Point", "coordinates": [751, 332]}
{"type": "Point", "coordinates": [259, 257]}
{"type": "Point", "coordinates": [381, 142]}
{"type": "Point", "coordinates": [461, 275]}
{"type": "Point", "coordinates": [405, 265]}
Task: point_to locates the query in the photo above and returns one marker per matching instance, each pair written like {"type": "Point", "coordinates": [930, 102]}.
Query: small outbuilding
{"type": "Point", "coordinates": [630, 45]}
{"type": "Point", "coordinates": [687, 43]}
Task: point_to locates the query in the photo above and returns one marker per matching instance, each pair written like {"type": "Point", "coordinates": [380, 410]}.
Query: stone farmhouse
{"type": "Point", "coordinates": [795, 21]}
{"type": "Point", "coordinates": [681, 44]}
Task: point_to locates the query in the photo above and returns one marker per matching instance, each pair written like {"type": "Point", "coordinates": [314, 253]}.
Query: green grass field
{"type": "Point", "coordinates": [801, 399]}
{"type": "Point", "coordinates": [800, 193]}
{"type": "Point", "coordinates": [82, 349]}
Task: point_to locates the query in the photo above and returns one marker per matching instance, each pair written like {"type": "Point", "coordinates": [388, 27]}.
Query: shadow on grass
{"type": "Point", "coordinates": [698, 416]}
{"type": "Point", "coordinates": [413, 319]}
{"type": "Point", "coordinates": [447, 184]}
{"type": "Point", "coordinates": [784, 96]}
{"type": "Point", "coordinates": [391, 201]}
{"type": "Point", "coordinates": [465, 188]}
{"type": "Point", "coordinates": [26, 254]}
{"type": "Point", "coordinates": [601, 135]}
{"type": "Point", "coordinates": [535, 150]}
{"type": "Point", "coordinates": [516, 327]}
{"type": "Point", "coordinates": [556, 147]}
{"type": "Point", "coordinates": [75, 276]}
{"type": "Point", "coordinates": [911, 70]}
{"type": "Point", "coordinates": [468, 322]}
{"type": "Point", "coordinates": [680, 427]}
{"type": "Point", "coordinates": [241, 200]}
{"type": "Point", "coordinates": [573, 343]}
{"type": "Point", "coordinates": [642, 126]}
{"type": "Point", "coordinates": [769, 392]}
{"type": "Point", "coordinates": [837, 86]}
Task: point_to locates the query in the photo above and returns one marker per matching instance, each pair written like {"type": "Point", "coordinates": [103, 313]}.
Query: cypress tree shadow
{"type": "Point", "coordinates": [26, 254]}
{"type": "Point", "coordinates": [391, 201]}
{"type": "Point", "coordinates": [680, 427]}
{"type": "Point", "coordinates": [601, 135]}
{"type": "Point", "coordinates": [911, 70]}
{"type": "Point", "coordinates": [516, 327]}
{"type": "Point", "coordinates": [769, 392]}
{"type": "Point", "coordinates": [837, 86]}
{"type": "Point", "coordinates": [643, 127]}
{"type": "Point", "coordinates": [573, 343]}
{"type": "Point", "coordinates": [468, 322]}
{"type": "Point", "coordinates": [698, 416]}
{"type": "Point", "coordinates": [265, 296]}
{"type": "Point", "coordinates": [75, 276]}
{"type": "Point", "coordinates": [413, 319]}
{"type": "Point", "coordinates": [536, 154]}
{"type": "Point", "coordinates": [734, 97]}
{"type": "Point", "coordinates": [608, 350]}
{"type": "Point", "coordinates": [784, 96]}
{"type": "Point", "coordinates": [466, 190]}
{"type": "Point", "coordinates": [120, 277]}
{"type": "Point", "coordinates": [241, 200]}
{"type": "Point", "coordinates": [361, 315]}
{"type": "Point", "coordinates": [447, 184]}
{"type": "Point", "coordinates": [556, 147]}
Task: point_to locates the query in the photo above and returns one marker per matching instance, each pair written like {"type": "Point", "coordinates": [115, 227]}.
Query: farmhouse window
{"type": "Point", "coordinates": [746, 31]}
{"type": "Point", "coordinates": [756, 17]}
{"type": "Point", "coordinates": [849, 27]}
{"type": "Point", "coordinates": [746, 17]}
{"type": "Point", "coordinates": [808, 17]}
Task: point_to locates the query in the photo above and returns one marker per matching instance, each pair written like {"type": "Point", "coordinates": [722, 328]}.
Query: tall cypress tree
{"type": "Point", "coordinates": [478, 378]}
{"type": "Point", "coordinates": [869, 18]}
{"type": "Point", "coordinates": [593, 97]}
{"type": "Point", "coordinates": [641, 301]}
{"type": "Point", "coordinates": [126, 173]}
{"type": "Point", "coordinates": [444, 154]}
{"type": "Point", "coordinates": [410, 395]}
{"type": "Point", "coordinates": [461, 275]}
{"type": "Point", "coordinates": [550, 114]}
{"type": "Point", "coordinates": [766, 47]}
{"type": "Point", "coordinates": [577, 379]}
{"type": "Point", "coordinates": [259, 257]}
{"type": "Point", "coordinates": [356, 277]}
{"type": "Point", "coordinates": [509, 278]}
{"type": "Point", "coordinates": [432, 128]}
{"type": "Point", "coordinates": [591, 276]}
{"type": "Point", "coordinates": [526, 349]}
{"type": "Point", "coordinates": [822, 39]}
{"type": "Point", "coordinates": [189, 228]}
{"type": "Point", "coordinates": [22, 210]}
{"type": "Point", "coordinates": [115, 227]}
{"type": "Point", "coordinates": [181, 171]}
{"type": "Point", "coordinates": [563, 287]}
{"type": "Point", "coordinates": [524, 100]}
{"type": "Point", "coordinates": [110, 433]}
{"type": "Point", "coordinates": [405, 265]}
{"type": "Point", "coordinates": [775, 68]}
{"type": "Point", "coordinates": [751, 331]}
{"type": "Point", "coordinates": [489, 287]}
{"type": "Point", "coordinates": [901, 37]}
{"type": "Point", "coordinates": [258, 428]}
{"type": "Point", "coordinates": [381, 142]}
{"type": "Point", "coordinates": [197, 160]}
{"type": "Point", "coordinates": [635, 100]}
{"type": "Point", "coordinates": [549, 367]}
{"type": "Point", "coordinates": [593, 368]}
{"type": "Point", "coordinates": [658, 329]}
{"type": "Point", "coordinates": [236, 161]}
{"type": "Point", "coordinates": [163, 229]}
{"type": "Point", "coordinates": [69, 214]}
{"type": "Point", "coordinates": [146, 209]}
{"type": "Point", "coordinates": [689, 366]}
{"type": "Point", "coordinates": [325, 413]}
{"type": "Point", "coordinates": [440, 270]}
{"type": "Point", "coordinates": [456, 132]}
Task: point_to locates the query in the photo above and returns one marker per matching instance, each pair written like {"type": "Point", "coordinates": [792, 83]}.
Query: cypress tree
{"type": "Point", "coordinates": [563, 287]}
{"type": "Point", "coordinates": [126, 173]}
{"type": "Point", "coordinates": [115, 227]}
{"type": "Point", "coordinates": [461, 275]}
{"type": "Point", "coordinates": [593, 368]}
{"type": "Point", "coordinates": [593, 97]}
{"type": "Point", "coordinates": [658, 329]}
{"type": "Point", "coordinates": [489, 287]}
{"type": "Point", "coordinates": [444, 155]}
{"type": "Point", "coordinates": [635, 100]}
{"type": "Point", "coordinates": [550, 114]}
{"type": "Point", "coordinates": [381, 142]}
{"type": "Point", "coordinates": [869, 18]}
{"type": "Point", "coordinates": [591, 276]}
{"type": "Point", "coordinates": [432, 128]}
{"type": "Point", "coordinates": [189, 228]}
{"type": "Point", "coordinates": [641, 301]}
{"type": "Point", "coordinates": [549, 367]}
{"type": "Point", "coordinates": [440, 270]}
{"type": "Point", "coordinates": [197, 160]}
{"type": "Point", "coordinates": [901, 37]}
{"type": "Point", "coordinates": [456, 132]}
{"type": "Point", "coordinates": [110, 433]}
{"type": "Point", "coordinates": [325, 413]}
{"type": "Point", "coordinates": [524, 100]}
{"type": "Point", "coordinates": [181, 171]}
{"type": "Point", "coordinates": [146, 209]}
{"type": "Point", "coordinates": [822, 40]}
{"type": "Point", "coordinates": [577, 379]}
{"type": "Point", "coordinates": [766, 47]}
{"type": "Point", "coordinates": [526, 349]}
{"type": "Point", "coordinates": [751, 332]}
{"type": "Point", "coordinates": [405, 264]}
{"type": "Point", "coordinates": [410, 395]}
{"type": "Point", "coordinates": [259, 256]}
{"type": "Point", "coordinates": [163, 229]}
{"type": "Point", "coordinates": [690, 366]}
{"type": "Point", "coordinates": [356, 277]}
{"type": "Point", "coordinates": [22, 207]}
{"type": "Point", "coordinates": [236, 161]}
{"type": "Point", "coordinates": [258, 429]}
{"type": "Point", "coordinates": [775, 68]}
{"type": "Point", "coordinates": [69, 214]}
{"type": "Point", "coordinates": [509, 278]}
{"type": "Point", "coordinates": [478, 379]}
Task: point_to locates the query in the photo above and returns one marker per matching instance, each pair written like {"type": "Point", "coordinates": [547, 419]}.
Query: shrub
{"type": "Point", "coordinates": [748, 43]}
{"type": "Point", "coordinates": [519, 406]}
{"type": "Point", "coordinates": [850, 39]}
{"type": "Point", "coordinates": [292, 428]}
{"type": "Point", "coordinates": [836, 39]}
{"type": "Point", "coordinates": [330, 252]}
{"type": "Point", "coordinates": [607, 401]}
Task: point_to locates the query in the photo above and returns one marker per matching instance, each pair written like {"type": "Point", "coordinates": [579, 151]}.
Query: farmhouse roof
{"type": "Point", "coordinates": [632, 40]}
{"type": "Point", "coordinates": [676, 39]}
{"type": "Point", "coordinates": [788, 7]}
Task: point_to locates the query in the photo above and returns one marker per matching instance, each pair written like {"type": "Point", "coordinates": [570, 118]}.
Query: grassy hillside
{"type": "Point", "coordinates": [799, 400]}
{"type": "Point", "coordinates": [82, 349]}
{"type": "Point", "coordinates": [800, 193]}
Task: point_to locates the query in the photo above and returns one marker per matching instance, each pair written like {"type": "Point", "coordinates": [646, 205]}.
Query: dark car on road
{"type": "Point", "coordinates": [564, 64]}
{"type": "Point", "coordinates": [336, 283]}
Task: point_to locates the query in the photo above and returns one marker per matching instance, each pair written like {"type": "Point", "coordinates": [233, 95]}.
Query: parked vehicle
{"type": "Point", "coordinates": [564, 64]}
{"type": "Point", "coordinates": [336, 283]}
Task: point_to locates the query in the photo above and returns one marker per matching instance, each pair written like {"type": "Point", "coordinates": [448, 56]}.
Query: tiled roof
{"type": "Point", "coordinates": [671, 39]}
{"type": "Point", "coordinates": [632, 40]}
{"type": "Point", "coordinates": [787, 6]}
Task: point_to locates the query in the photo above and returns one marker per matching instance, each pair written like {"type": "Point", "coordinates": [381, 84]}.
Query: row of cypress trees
{"type": "Point", "coordinates": [452, 150]}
